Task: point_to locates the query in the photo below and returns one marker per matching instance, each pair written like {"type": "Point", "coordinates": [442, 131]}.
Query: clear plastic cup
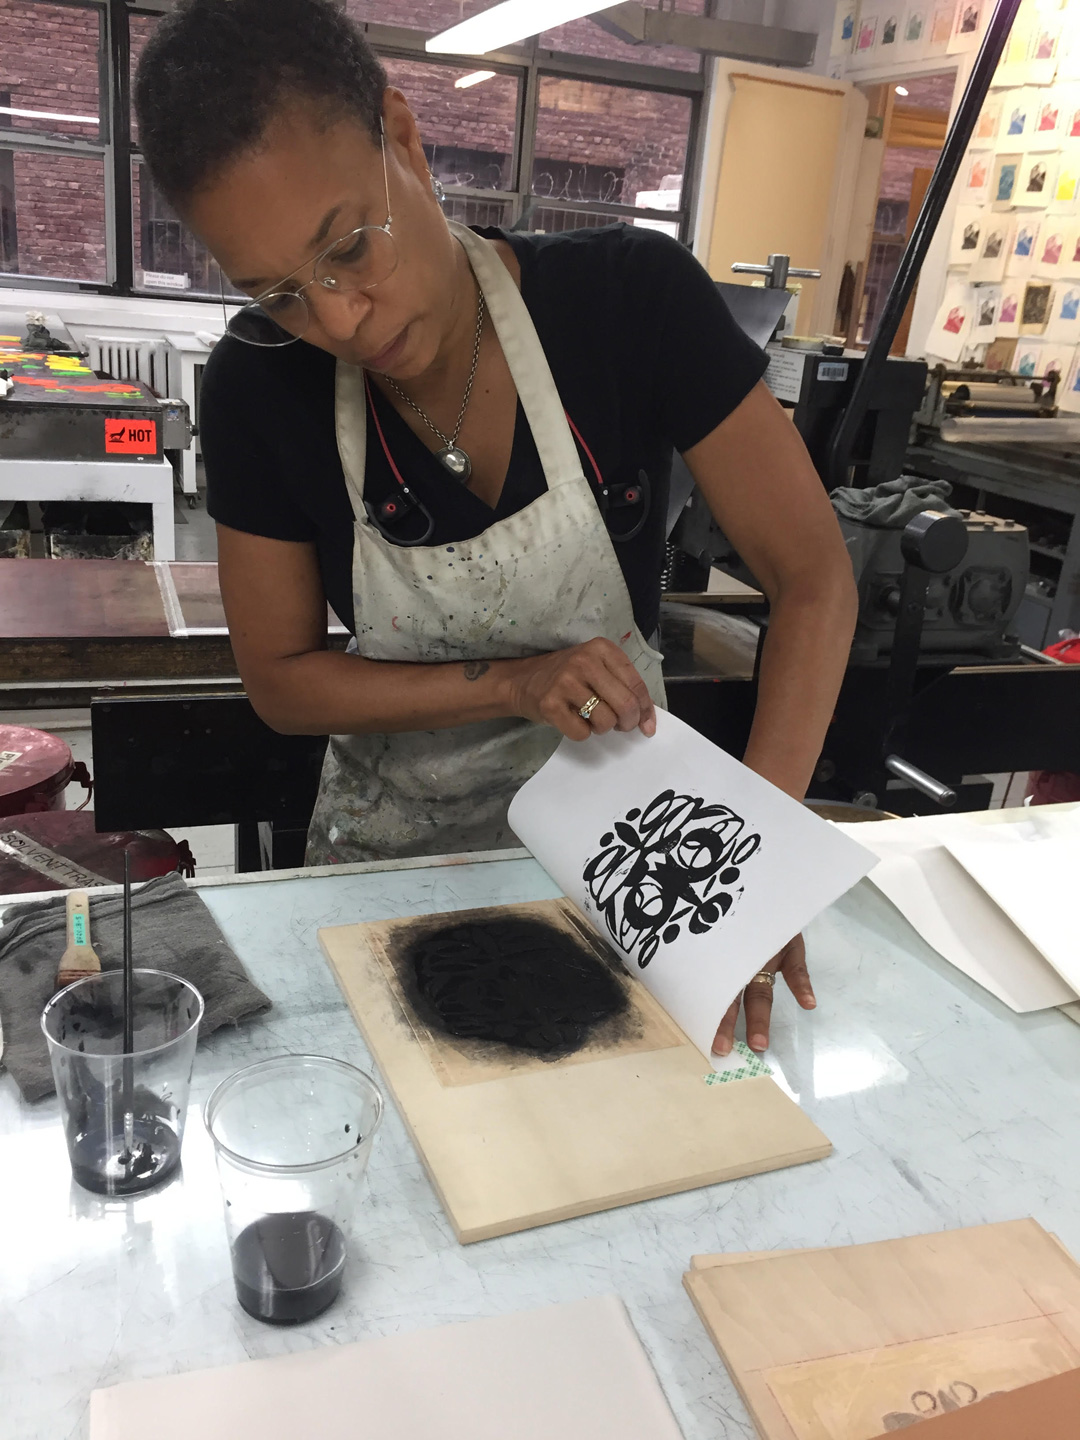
{"type": "Point", "coordinates": [292, 1137]}
{"type": "Point", "coordinates": [123, 1113]}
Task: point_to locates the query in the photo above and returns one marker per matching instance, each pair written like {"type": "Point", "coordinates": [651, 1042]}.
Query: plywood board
{"type": "Point", "coordinates": [574, 1371]}
{"type": "Point", "coordinates": [844, 1344]}
{"type": "Point", "coordinates": [511, 1143]}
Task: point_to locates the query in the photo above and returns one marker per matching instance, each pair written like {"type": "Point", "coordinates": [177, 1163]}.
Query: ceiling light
{"type": "Point", "coordinates": [507, 23]}
{"type": "Point", "coordinates": [900, 90]}
{"type": "Point", "coordinates": [473, 79]}
{"type": "Point", "coordinates": [50, 115]}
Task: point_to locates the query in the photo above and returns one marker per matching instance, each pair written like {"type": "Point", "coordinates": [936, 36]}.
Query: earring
{"type": "Point", "coordinates": [437, 189]}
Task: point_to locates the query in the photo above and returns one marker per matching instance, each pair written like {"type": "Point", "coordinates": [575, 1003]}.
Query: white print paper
{"type": "Point", "coordinates": [952, 913]}
{"type": "Point", "coordinates": [1017, 116]}
{"type": "Point", "coordinates": [1069, 46]}
{"type": "Point", "coordinates": [1036, 308]}
{"type": "Point", "coordinates": [987, 306]}
{"type": "Point", "coordinates": [968, 26]}
{"type": "Point", "coordinates": [1070, 257]}
{"type": "Point", "coordinates": [1050, 250]}
{"type": "Point", "coordinates": [889, 31]}
{"type": "Point", "coordinates": [1013, 67]}
{"type": "Point", "coordinates": [1004, 178]}
{"type": "Point", "coordinates": [1067, 188]}
{"type": "Point", "coordinates": [1012, 297]}
{"type": "Point", "coordinates": [1069, 394]}
{"type": "Point", "coordinates": [696, 870]}
{"type": "Point", "coordinates": [1045, 41]}
{"type": "Point", "coordinates": [951, 326]}
{"type": "Point", "coordinates": [576, 1371]}
{"type": "Point", "coordinates": [1032, 880]}
{"type": "Point", "coordinates": [989, 267]}
{"type": "Point", "coordinates": [975, 175]}
{"type": "Point", "coordinates": [1025, 243]}
{"type": "Point", "coordinates": [1028, 358]}
{"type": "Point", "coordinates": [843, 40]}
{"type": "Point", "coordinates": [1064, 324]}
{"type": "Point", "coordinates": [941, 24]}
{"type": "Point", "coordinates": [915, 31]}
{"type": "Point", "coordinates": [866, 33]}
{"type": "Point", "coordinates": [1038, 176]}
{"type": "Point", "coordinates": [1049, 120]}
{"type": "Point", "coordinates": [967, 235]}
{"type": "Point", "coordinates": [989, 122]}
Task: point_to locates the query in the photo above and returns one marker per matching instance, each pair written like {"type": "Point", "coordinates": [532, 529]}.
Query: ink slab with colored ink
{"type": "Point", "coordinates": [612, 1108]}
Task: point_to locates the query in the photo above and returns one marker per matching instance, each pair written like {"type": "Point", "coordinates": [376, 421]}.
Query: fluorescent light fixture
{"type": "Point", "coordinates": [49, 115]}
{"type": "Point", "coordinates": [509, 22]}
{"type": "Point", "coordinates": [473, 79]}
{"type": "Point", "coordinates": [900, 90]}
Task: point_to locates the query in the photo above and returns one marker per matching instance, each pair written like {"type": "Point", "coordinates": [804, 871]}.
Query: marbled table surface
{"type": "Point", "coordinates": [944, 1108]}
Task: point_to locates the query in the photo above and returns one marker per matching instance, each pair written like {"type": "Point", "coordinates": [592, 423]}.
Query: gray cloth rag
{"type": "Point", "coordinates": [171, 930]}
{"type": "Point", "coordinates": [890, 506]}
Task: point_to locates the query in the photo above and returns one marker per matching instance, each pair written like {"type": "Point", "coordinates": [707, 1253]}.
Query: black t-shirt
{"type": "Point", "coordinates": [642, 348]}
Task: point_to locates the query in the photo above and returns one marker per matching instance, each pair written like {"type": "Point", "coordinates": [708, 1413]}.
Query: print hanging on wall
{"type": "Point", "coordinates": [1004, 179]}
{"type": "Point", "coordinates": [1068, 184]}
{"type": "Point", "coordinates": [1063, 327]}
{"type": "Point", "coordinates": [968, 26]}
{"type": "Point", "coordinates": [1049, 119]}
{"type": "Point", "coordinates": [1038, 176]}
{"type": "Point", "coordinates": [966, 236]}
{"type": "Point", "coordinates": [868, 28]}
{"type": "Point", "coordinates": [975, 177]}
{"type": "Point", "coordinates": [994, 250]}
{"type": "Point", "coordinates": [1054, 357]}
{"type": "Point", "coordinates": [1012, 296]}
{"type": "Point", "coordinates": [1043, 55]}
{"type": "Point", "coordinates": [844, 28]}
{"type": "Point", "coordinates": [1069, 394]}
{"type": "Point", "coordinates": [1070, 260]}
{"type": "Point", "coordinates": [890, 28]}
{"type": "Point", "coordinates": [941, 25]}
{"type": "Point", "coordinates": [1016, 119]}
{"type": "Point", "coordinates": [1028, 358]}
{"type": "Point", "coordinates": [1024, 247]}
{"type": "Point", "coordinates": [987, 305]}
{"type": "Point", "coordinates": [915, 32]}
{"type": "Point", "coordinates": [694, 868]}
{"type": "Point", "coordinates": [989, 121]}
{"type": "Point", "coordinates": [1050, 251]}
{"type": "Point", "coordinates": [1035, 308]}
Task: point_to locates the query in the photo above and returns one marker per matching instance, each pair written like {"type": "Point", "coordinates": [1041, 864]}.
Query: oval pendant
{"type": "Point", "coordinates": [456, 461]}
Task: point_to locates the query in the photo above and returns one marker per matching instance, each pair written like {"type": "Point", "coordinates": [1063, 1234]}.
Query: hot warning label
{"type": "Point", "coordinates": [130, 437]}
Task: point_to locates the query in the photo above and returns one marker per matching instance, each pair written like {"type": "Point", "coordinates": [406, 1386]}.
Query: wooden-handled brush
{"type": "Point", "coordinates": [80, 958]}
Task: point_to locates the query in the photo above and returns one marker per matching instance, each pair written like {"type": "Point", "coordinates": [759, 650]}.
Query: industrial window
{"type": "Point", "coordinates": [576, 127]}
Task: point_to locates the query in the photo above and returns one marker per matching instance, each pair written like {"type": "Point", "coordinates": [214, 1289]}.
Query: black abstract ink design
{"type": "Point", "coordinates": [676, 862]}
{"type": "Point", "coordinates": [528, 984]}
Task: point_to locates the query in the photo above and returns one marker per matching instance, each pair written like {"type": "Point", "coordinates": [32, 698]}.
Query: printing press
{"type": "Point", "coordinates": [946, 681]}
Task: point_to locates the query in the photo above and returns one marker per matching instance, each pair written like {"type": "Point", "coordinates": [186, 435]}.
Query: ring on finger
{"type": "Point", "coordinates": [764, 977]}
{"type": "Point", "coordinates": [590, 705]}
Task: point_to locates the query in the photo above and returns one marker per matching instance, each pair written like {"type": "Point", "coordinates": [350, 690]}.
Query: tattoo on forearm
{"type": "Point", "coordinates": [475, 668]}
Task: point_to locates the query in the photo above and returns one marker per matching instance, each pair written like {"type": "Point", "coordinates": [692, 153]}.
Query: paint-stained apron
{"type": "Point", "coordinates": [541, 580]}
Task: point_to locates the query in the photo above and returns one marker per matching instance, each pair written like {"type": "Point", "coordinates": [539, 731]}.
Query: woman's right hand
{"type": "Point", "coordinates": [551, 689]}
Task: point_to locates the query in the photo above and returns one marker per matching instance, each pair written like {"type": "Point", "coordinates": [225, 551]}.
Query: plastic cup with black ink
{"type": "Point", "coordinates": [123, 1112]}
{"type": "Point", "coordinates": [293, 1136]}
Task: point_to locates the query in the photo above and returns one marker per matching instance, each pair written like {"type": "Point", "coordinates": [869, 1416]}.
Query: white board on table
{"type": "Point", "coordinates": [575, 1371]}
{"type": "Point", "coordinates": [695, 869]}
{"type": "Point", "coordinates": [953, 913]}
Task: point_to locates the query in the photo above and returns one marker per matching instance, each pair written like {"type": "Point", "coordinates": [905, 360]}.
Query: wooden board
{"type": "Point", "coordinates": [509, 1144]}
{"type": "Point", "coordinates": [847, 1343]}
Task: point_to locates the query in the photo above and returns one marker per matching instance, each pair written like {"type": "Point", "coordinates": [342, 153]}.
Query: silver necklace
{"type": "Point", "coordinates": [451, 455]}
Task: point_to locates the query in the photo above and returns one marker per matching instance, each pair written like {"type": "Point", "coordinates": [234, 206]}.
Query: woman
{"type": "Point", "coordinates": [462, 440]}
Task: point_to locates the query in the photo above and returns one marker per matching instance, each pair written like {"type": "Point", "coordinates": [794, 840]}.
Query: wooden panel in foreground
{"type": "Point", "coordinates": [857, 1342]}
{"type": "Point", "coordinates": [513, 1144]}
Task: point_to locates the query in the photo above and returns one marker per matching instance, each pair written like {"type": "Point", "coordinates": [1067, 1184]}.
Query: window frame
{"type": "Point", "coordinates": [529, 62]}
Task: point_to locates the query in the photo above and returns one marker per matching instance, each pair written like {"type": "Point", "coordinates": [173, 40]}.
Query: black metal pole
{"type": "Point", "coordinates": [119, 46]}
{"type": "Point", "coordinates": [937, 195]}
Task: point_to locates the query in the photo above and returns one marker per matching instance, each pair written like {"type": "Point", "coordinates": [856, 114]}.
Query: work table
{"type": "Point", "coordinates": [944, 1108]}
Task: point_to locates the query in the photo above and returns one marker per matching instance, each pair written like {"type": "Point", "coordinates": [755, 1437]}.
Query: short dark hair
{"type": "Point", "coordinates": [215, 71]}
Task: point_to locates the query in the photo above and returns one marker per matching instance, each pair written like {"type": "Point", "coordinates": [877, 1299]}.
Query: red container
{"type": "Point", "coordinates": [35, 770]}
{"type": "Point", "coordinates": [61, 850]}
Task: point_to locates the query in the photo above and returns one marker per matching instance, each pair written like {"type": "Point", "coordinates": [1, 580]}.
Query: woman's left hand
{"type": "Point", "coordinates": [758, 999]}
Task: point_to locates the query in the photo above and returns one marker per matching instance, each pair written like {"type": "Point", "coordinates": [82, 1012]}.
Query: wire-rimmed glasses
{"type": "Point", "coordinates": [360, 260]}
